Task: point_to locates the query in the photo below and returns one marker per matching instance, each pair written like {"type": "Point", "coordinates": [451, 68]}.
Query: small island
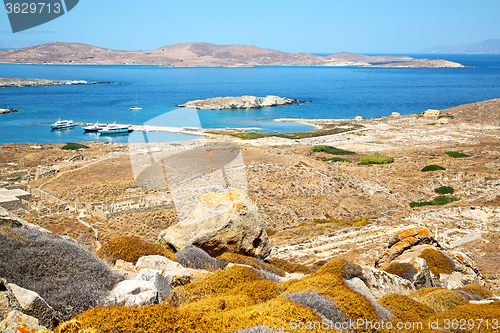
{"type": "Point", "coordinates": [243, 102]}
{"type": "Point", "coordinates": [11, 82]}
{"type": "Point", "coordinates": [2, 111]}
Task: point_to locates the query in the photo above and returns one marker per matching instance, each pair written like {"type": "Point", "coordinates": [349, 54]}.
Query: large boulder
{"type": "Point", "coordinates": [164, 265]}
{"type": "Point", "coordinates": [415, 255]}
{"type": "Point", "coordinates": [221, 222]}
{"type": "Point", "coordinates": [133, 292]}
{"type": "Point", "coordinates": [382, 283]}
{"type": "Point", "coordinates": [33, 305]}
{"type": "Point", "coordinates": [403, 241]}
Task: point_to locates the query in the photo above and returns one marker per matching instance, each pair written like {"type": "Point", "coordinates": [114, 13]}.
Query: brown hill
{"type": "Point", "coordinates": [185, 55]}
{"type": "Point", "coordinates": [181, 55]}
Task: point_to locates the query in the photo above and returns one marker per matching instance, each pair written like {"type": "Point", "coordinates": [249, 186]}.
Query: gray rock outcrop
{"type": "Point", "coordinates": [243, 102]}
{"type": "Point", "coordinates": [382, 283]}
{"type": "Point", "coordinates": [222, 222]}
{"type": "Point", "coordinates": [161, 282]}
{"type": "Point", "coordinates": [33, 305]}
{"type": "Point", "coordinates": [133, 292]}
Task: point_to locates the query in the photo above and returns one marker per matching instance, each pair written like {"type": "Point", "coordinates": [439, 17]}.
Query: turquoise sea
{"type": "Point", "coordinates": [337, 92]}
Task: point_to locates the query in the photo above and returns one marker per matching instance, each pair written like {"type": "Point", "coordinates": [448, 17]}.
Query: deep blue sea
{"type": "Point", "coordinates": [337, 92]}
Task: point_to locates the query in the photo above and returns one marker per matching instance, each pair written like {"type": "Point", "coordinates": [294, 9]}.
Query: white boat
{"type": "Point", "coordinates": [62, 124]}
{"type": "Point", "coordinates": [94, 128]}
{"type": "Point", "coordinates": [115, 129]}
{"type": "Point", "coordinates": [135, 108]}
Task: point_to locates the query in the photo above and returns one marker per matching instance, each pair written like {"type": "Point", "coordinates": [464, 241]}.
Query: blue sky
{"type": "Point", "coordinates": [317, 26]}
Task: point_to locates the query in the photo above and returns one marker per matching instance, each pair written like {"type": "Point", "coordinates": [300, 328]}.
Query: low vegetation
{"type": "Point", "coordinates": [477, 289]}
{"type": "Point", "coordinates": [402, 269]}
{"type": "Point", "coordinates": [130, 249]}
{"type": "Point", "coordinates": [441, 299]}
{"type": "Point", "coordinates": [336, 159]}
{"type": "Point", "coordinates": [376, 158]}
{"type": "Point", "coordinates": [288, 266]}
{"type": "Point", "coordinates": [438, 201]}
{"type": "Point", "coordinates": [405, 308]}
{"type": "Point", "coordinates": [332, 150]}
{"type": "Point", "coordinates": [65, 274]}
{"type": "Point", "coordinates": [234, 258]}
{"type": "Point", "coordinates": [343, 268]}
{"type": "Point", "coordinates": [74, 146]}
{"type": "Point", "coordinates": [432, 167]}
{"type": "Point", "coordinates": [194, 257]}
{"type": "Point", "coordinates": [438, 262]}
{"type": "Point", "coordinates": [456, 154]}
{"type": "Point", "coordinates": [328, 130]}
{"type": "Point", "coordinates": [444, 190]}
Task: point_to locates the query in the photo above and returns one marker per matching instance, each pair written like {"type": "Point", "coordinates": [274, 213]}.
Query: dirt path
{"type": "Point", "coordinates": [96, 235]}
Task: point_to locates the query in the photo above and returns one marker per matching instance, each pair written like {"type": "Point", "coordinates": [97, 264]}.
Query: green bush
{"type": "Point", "coordinates": [443, 200]}
{"type": "Point", "coordinates": [432, 167]}
{"type": "Point", "coordinates": [456, 154]}
{"type": "Point", "coordinates": [74, 146]}
{"type": "Point", "coordinates": [376, 158]}
{"type": "Point", "coordinates": [332, 150]}
{"type": "Point", "coordinates": [336, 159]}
{"type": "Point", "coordinates": [444, 190]}
{"type": "Point", "coordinates": [438, 201]}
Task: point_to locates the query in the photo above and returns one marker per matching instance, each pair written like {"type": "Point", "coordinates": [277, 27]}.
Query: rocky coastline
{"type": "Point", "coordinates": [242, 102]}
{"type": "Point", "coordinates": [11, 82]}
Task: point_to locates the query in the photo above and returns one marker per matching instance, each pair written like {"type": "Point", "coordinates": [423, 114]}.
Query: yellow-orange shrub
{"type": "Point", "coordinates": [131, 249]}
{"type": "Point", "coordinates": [438, 263]}
{"type": "Point", "coordinates": [235, 258]}
{"type": "Point", "coordinates": [476, 289]}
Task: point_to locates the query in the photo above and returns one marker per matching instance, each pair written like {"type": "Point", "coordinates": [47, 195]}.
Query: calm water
{"type": "Point", "coordinates": [342, 92]}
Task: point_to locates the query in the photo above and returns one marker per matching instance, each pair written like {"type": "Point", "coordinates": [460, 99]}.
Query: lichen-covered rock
{"type": "Point", "coordinates": [17, 322]}
{"type": "Point", "coordinates": [431, 265]}
{"type": "Point", "coordinates": [382, 283]}
{"type": "Point", "coordinates": [404, 240]}
{"type": "Point", "coordinates": [133, 292]}
{"type": "Point", "coordinates": [33, 305]}
{"type": "Point", "coordinates": [222, 222]}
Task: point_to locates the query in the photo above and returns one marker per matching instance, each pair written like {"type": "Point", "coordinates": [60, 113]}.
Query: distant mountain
{"type": "Point", "coordinates": [186, 55]}
{"type": "Point", "coordinates": [490, 46]}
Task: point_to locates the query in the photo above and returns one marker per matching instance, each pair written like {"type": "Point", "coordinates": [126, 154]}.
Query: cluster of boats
{"type": "Point", "coordinates": [103, 129]}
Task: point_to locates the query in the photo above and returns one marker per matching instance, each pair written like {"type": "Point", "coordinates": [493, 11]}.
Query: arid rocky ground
{"type": "Point", "coordinates": [313, 209]}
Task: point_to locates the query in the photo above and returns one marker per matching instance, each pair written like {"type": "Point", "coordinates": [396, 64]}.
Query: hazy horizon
{"type": "Point", "coordinates": [390, 27]}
